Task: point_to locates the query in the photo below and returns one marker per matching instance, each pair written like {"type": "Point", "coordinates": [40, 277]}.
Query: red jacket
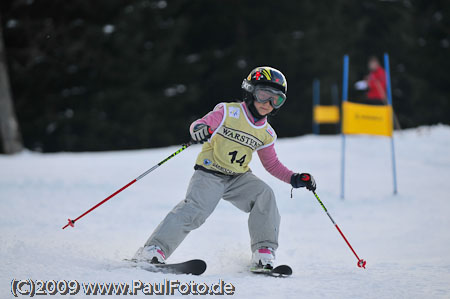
{"type": "Point", "coordinates": [377, 84]}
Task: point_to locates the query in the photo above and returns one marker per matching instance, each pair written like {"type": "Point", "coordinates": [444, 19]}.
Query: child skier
{"type": "Point", "coordinates": [230, 134]}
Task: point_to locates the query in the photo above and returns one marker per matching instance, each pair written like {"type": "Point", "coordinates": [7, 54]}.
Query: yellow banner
{"type": "Point", "coordinates": [366, 119]}
{"type": "Point", "coordinates": [326, 114]}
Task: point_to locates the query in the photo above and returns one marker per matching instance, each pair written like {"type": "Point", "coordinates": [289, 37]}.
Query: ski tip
{"type": "Point", "coordinates": [282, 270]}
{"type": "Point", "coordinates": [279, 271]}
{"type": "Point", "coordinates": [194, 267]}
{"type": "Point", "coordinates": [200, 267]}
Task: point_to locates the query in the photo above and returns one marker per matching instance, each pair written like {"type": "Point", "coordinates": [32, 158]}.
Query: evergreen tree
{"type": "Point", "coordinates": [122, 74]}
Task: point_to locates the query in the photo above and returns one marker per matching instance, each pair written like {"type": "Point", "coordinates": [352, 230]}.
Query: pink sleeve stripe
{"type": "Point", "coordinates": [212, 119]}
{"type": "Point", "coordinates": [269, 160]}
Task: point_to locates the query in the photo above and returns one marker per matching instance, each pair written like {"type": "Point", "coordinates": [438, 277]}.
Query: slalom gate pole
{"type": "Point", "coordinates": [72, 222]}
{"type": "Point", "coordinates": [344, 98]}
{"type": "Point", "coordinates": [389, 98]}
{"type": "Point", "coordinates": [361, 262]}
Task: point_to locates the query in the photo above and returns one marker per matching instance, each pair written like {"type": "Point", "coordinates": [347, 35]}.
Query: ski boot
{"type": "Point", "coordinates": [263, 258]}
{"type": "Point", "coordinates": [151, 254]}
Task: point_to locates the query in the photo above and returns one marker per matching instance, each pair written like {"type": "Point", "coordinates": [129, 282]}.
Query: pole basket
{"type": "Point", "coordinates": [362, 264]}
{"type": "Point", "coordinates": [71, 222]}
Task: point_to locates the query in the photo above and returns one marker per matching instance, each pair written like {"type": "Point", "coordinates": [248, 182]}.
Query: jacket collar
{"type": "Point", "coordinates": [251, 118]}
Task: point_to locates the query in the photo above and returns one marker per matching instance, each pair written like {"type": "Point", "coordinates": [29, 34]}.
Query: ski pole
{"type": "Point", "coordinates": [72, 222]}
{"type": "Point", "coordinates": [361, 262]}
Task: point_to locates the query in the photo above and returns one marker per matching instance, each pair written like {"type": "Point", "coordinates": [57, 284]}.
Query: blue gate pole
{"type": "Point", "coordinates": [389, 98]}
{"type": "Point", "coordinates": [344, 98]}
{"type": "Point", "coordinates": [316, 102]}
{"type": "Point", "coordinates": [335, 98]}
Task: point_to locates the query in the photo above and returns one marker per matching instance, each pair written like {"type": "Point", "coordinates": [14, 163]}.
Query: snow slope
{"type": "Point", "coordinates": [405, 238]}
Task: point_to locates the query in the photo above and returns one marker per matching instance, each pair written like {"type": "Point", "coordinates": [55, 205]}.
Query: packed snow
{"type": "Point", "coordinates": [405, 238]}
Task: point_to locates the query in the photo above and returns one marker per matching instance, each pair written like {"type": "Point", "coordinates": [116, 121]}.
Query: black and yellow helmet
{"type": "Point", "coordinates": [265, 75]}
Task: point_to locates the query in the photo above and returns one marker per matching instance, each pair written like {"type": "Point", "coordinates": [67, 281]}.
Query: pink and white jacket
{"type": "Point", "coordinates": [267, 155]}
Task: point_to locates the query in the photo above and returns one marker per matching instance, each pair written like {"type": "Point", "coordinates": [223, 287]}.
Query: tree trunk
{"type": "Point", "coordinates": [10, 137]}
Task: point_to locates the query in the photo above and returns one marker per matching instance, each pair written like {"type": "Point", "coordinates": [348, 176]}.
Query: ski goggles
{"type": "Point", "coordinates": [263, 94]}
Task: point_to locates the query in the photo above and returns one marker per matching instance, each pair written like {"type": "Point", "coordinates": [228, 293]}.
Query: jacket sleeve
{"type": "Point", "coordinates": [212, 119]}
{"type": "Point", "coordinates": [269, 160]}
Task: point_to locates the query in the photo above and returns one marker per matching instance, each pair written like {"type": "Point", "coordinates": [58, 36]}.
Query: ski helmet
{"type": "Point", "coordinates": [264, 76]}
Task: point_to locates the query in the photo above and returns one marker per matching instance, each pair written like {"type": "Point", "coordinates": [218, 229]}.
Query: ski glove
{"type": "Point", "coordinates": [201, 133]}
{"type": "Point", "coordinates": [299, 180]}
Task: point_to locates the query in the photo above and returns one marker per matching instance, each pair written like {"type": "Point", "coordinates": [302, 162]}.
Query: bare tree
{"type": "Point", "coordinates": [10, 136]}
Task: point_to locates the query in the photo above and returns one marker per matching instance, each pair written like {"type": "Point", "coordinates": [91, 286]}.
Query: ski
{"type": "Point", "coordinates": [279, 271]}
{"type": "Point", "coordinates": [194, 267]}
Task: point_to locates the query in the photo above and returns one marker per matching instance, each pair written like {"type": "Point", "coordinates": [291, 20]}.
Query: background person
{"type": "Point", "coordinates": [374, 83]}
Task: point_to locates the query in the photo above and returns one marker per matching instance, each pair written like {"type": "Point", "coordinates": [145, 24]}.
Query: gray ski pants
{"type": "Point", "coordinates": [245, 191]}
